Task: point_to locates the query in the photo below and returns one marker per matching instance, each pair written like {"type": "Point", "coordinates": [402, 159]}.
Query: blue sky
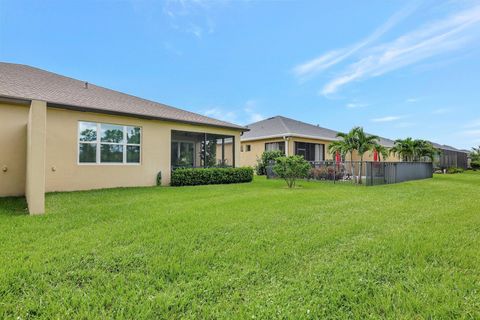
{"type": "Point", "coordinates": [397, 68]}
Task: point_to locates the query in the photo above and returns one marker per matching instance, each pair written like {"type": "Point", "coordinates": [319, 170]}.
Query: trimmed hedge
{"type": "Point", "coordinates": [201, 176]}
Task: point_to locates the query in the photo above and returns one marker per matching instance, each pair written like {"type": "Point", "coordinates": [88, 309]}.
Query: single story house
{"type": "Point", "coordinates": [62, 134]}
{"type": "Point", "coordinates": [293, 137]}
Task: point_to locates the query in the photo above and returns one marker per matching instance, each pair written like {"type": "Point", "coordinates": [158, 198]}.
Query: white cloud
{"type": "Point", "coordinates": [354, 105]}
{"type": "Point", "coordinates": [472, 133]}
{"type": "Point", "coordinates": [191, 16]}
{"type": "Point", "coordinates": [412, 100]}
{"type": "Point", "coordinates": [331, 58]}
{"type": "Point", "coordinates": [245, 115]}
{"type": "Point", "coordinates": [449, 34]}
{"type": "Point", "coordinates": [404, 124]}
{"type": "Point", "coordinates": [221, 114]}
{"type": "Point", "coordinates": [441, 111]}
{"type": "Point", "coordinates": [253, 116]}
{"type": "Point", "coordinates": [474, 123]}
{"type": "Point", "coordinates": [386, 119]}
{"type": "Point", "coordinates": [473, 136]}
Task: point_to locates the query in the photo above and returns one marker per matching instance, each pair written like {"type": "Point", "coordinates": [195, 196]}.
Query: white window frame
{"type": "Point", "coordinates": [98, 145]}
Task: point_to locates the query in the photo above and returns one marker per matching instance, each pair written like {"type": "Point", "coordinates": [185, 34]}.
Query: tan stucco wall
{"type": "Point", "coordinates": [13, 142]}
{"type": "Point", "coordinates": [63, 173]}
{"type": "Point", "coordinates": [35, 169]}
{"type": "Point", "coordinates": [257, 148]}
{"type": "Point", "coordinates": [368, 156]}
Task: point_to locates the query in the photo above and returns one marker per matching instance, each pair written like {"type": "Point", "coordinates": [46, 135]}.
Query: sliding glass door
{"type": "Point", "coordinates": [183, 154]}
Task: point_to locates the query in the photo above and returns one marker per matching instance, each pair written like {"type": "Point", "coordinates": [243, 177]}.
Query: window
{"type": "Point", "coordinates": [248, 147]}
{"type": "Point", "coordinates": [241, 148]}
{"type": "Point", "coordinates": [108, 143]}
{"type": "Point", "coordinates": [271, 146]}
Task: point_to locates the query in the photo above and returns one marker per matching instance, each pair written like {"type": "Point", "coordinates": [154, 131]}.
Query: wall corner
{"type": "Point", "coordinates": [36, 150]}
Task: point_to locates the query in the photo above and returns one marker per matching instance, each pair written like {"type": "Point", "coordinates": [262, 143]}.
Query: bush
{"type": "Point", "coordinates": [264, 161]}
{"type": "Point", "coordinates": [159, 178]}
{"type": "Point", "coordinates": [291, 168]}
{"type": "Point", "coordinates": [200, 176]}
{"type": "Point", "coordinates": [453, 170]}
{"type": "Point", "coordinates": [475, 164]}
{"type": "Point", "coordinates": [320, 173]}
{"type": "Point", "coordinates": [325, 173]}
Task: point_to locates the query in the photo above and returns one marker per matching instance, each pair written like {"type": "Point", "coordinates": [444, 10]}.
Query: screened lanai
{"type": "Point", "coordinates": [201, 150]}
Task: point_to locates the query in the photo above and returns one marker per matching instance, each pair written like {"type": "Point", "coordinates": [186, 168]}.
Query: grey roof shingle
{"type": "Point", "coordinates": [25, 82]}
{"type": "Point", "coordinates": [447, 147]}
{"type": "Point", "coordinates": [281, 126]}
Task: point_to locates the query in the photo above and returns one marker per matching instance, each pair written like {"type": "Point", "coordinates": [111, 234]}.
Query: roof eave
{"type": "Point", "coordinates": [24, 101]}
{"type": "Point", "coordinates": [140, 116]}
{"type": "Point", "coordinates": [289, 135]}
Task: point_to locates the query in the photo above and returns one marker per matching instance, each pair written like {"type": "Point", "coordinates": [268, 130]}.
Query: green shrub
{"type": "Point", "coordinates": [159, 178]}
{"type": "Point", "coordinates": [453, 170]}
{"type": "Point", "coordinates": [475, 164]}
{"type": "Point", "coordinates": [263, 162]}
{"type": "Point", "coordinates": [291, 168]}
{"type": "Point", "coordinates": [201, 176]}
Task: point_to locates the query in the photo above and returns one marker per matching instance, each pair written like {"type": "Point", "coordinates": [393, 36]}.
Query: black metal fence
{"type": "Point", "coordinates": [366, 173]}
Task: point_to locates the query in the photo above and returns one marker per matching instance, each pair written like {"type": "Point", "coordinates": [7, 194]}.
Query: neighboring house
{"type": "Point", "coordinates": [62, 134]}
{"type": "Point", "coordinates": [293, 138]}
{"type": "Point", "coordinates": [450, 157]}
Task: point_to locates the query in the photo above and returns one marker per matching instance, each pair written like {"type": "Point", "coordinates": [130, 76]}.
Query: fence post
{"type": "Point", "coordinates": [395, 175]}
{"type": "Point", "coordinates": [371, 174]}
{"type": "Point", "coordinates": [334, 172]}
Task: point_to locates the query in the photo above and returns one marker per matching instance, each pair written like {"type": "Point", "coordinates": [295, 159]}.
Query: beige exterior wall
{"type": "Point", "coordinates": [249, 158]}
{"type": "Point", "coordinates": [64, 173]}
{"type": "Point", "coordinates": [13, 140]}
{"type": "Point", "coordinates": [368, 156]}
{"type": "Point", "coordinates": [258, 147]}
{"type": "Point", "coordinates": [35, 171]}
{"type": "Point", "coordinates": [61, 169]}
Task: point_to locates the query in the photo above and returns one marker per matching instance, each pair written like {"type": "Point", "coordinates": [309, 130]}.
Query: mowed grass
{"type": "Point", "coordinates": [256, 251]}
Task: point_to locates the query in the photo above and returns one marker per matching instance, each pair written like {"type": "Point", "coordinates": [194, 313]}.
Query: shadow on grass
{"type": "Point", "coordinates": [13, 206]}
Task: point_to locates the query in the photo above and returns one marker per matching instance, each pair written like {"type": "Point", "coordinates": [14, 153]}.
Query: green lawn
{"type": "Point", "coordinates": [253, 251]}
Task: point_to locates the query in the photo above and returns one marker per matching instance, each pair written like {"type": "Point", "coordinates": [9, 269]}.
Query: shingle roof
{"type": "Point", "coordinates": [447, 147]}
{"type": "Point", "coordinates": [281, 126]}
{"type": "Point", "coordinates": [25, 82]}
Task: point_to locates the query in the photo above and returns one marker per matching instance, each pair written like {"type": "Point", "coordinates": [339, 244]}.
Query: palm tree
{"type": "Point", "coordinates": [365, 142]}
{"type": "Point", "coordinates": [413, 150]}
{"type": "Point", "coordinates": [349, 142]}
{"type": "Point", "coordinates": [424, 149]}
{"type": "Point", "coordinates": [475, 154]}
{"type": "Point", "coordinates": [338, 146]}
{"type": "Point", "coordinates": [381, 151]}
{"type": "Point", "coordinates": [404, 148]}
